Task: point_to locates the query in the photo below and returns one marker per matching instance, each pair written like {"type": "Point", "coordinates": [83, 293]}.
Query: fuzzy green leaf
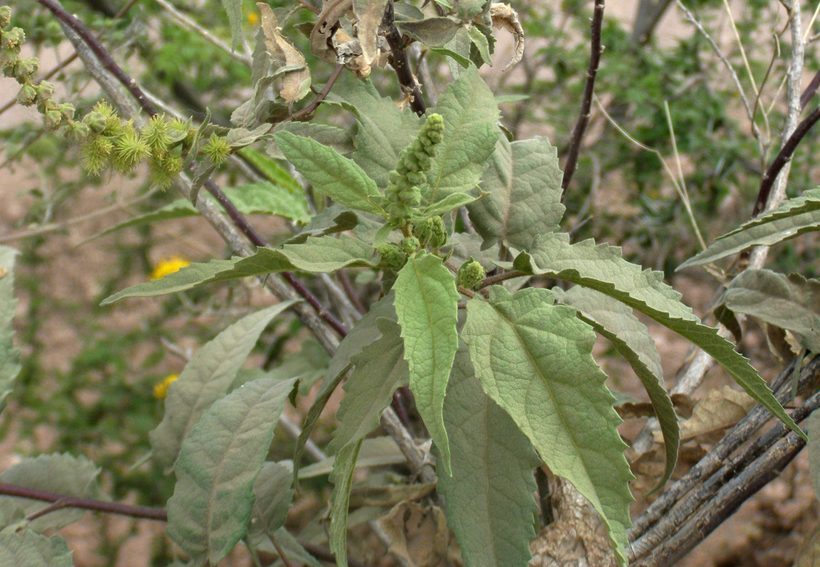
{"type": "Point", "coordinates": [205, 379]}
{"type": "Point", "coordinates": [383, 130]}
{"type": "Point", "coordinates": [59, 472]}
{"type": "Point", "coordinates": [331, 173]}
{"type": "Point", "coordinates": [447, 204]}
{"type": "Point", "coordinates": [631, 338]}
{"type": "Point", "coordinates": [218, 463]}
{"type": "Point", "coordinates": [9, 356]}
{"type": "Point", "coordinates": [273, 494]}
{"type": "Point", "coordinates": [470, 134]}
{"type": "Point", "coordinates": [379, 370]}
{"type": "Point", "coordinates": [271, 170]}
{"type": "Point", "coordinates": [523, 184]}
{"type": "Point", "coordinates": [27, 548]}
{"type": "Point", "coordinates": [427, 309]}
{"type": "Point", "coordinates": [792, 218]}
{"type": "Point", "coordinates": [490, 497]}
{"type": "Point", "coordinates": [363, 333]}
{"type": "Point", "coordinates": [603, 268]}
{"type": "Point", "coordinates": [789, 302]}
{"type": "Point", "coordinates": [342, 479]}
{"type": "Point", "coordinates": [314, 255]}
{"type": "Point", "coordinates": [534, 359]}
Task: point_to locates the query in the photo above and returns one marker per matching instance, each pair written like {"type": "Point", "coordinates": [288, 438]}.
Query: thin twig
{"type": "Point", "coordinates": [498, 278]}
{"type": "Point", "coordinates": [586, 102]}
{"type": "Point", "coordinates": [398, 59]}
{"type": "Point", "coordinates": [281, 553]}
{"type": "Point", "coordinates": [187, 22]}
{"type": "Point", "coordinates": [84, 503]}
{"type": "Point", "coordinates": [308, 111]}
{"type": "Point", "coordinates": [810, 90]}
{"type": "Point", "coordinates": [782, 158]}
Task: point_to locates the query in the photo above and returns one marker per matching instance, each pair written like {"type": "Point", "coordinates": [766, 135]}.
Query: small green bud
{"type": "Point", "coordinates": [470, 274]}
{"type": "Point", "coordinates": [13, 39]}
{"type": "Point", "coordinates": [5, 16]}
{"type": "Point", "coordinates": [45, 91]}
{"type": "Point", "coordinates": [53, 118]}
{"type": "Point", "coordinates": [156, 135]}
{"type": "Point", "coordinates": [409, 196]}
{"type": "Point", "coordinates": [410, 245]}
{"type": "Point", "coordinates": [217, 149]}
{"type": "Point", "coordinates": [95, 121]}
{"type": "Point", "coordinates": [25, 67]}
{"type": "Point", "coordinates": [77, 131]}
{"type": "Point", "coordinates": [431, 232]}
{"type": "Point", "coordinates": [27, 95]}
{"type": "Point", "coordinates": [392, 257]}
{"type": "Point", "coordinates": [67, 110]}
{"type": "Point", "coordinates": [165, 169]}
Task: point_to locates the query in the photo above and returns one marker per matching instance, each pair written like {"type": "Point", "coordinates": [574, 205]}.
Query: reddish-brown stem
{"type": "Point", "coordinates": [586, 103]}
{"type": "Point", "coordinates": [782, 159]}
{"type": "Point", "coordinates": [398, 59]}
{"type": "Point", "coordinates": [308, 110]}
{"type": "Point", "coordinates": [63, 501]}
{"type": "Point", "coordinates": [498, 278]}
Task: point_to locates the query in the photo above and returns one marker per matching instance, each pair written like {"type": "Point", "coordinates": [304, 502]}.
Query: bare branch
{"type": "Point", "coordinates": [398, 59]}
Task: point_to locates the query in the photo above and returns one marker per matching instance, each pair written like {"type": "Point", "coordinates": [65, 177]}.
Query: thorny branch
{"type": "Point", "coordinates": [586, 103]}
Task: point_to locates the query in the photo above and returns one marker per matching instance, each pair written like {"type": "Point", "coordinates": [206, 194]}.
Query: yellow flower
{"type": "Point", "coordinates": [161, 389]}
{"type": "Point", "coordinates": [169, 266]}
{"type": "Point", "coordinates": [253, 18]}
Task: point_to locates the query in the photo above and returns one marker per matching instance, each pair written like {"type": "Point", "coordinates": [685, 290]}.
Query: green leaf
{"type": "Point", "coordinates": [427, 310]}
{"type": "Point", "coordinates": [234, 10]}
{"type": "Point", "coordinates": [603, 268]}
{"type": "Point", "coordinates": [380, 370]}
{"type": "Point", "coordinates": [814, 450]}
{"type": "Point", "coordinates": [331, 173]}
{"type": "Point", "coordinates": [27, 548]}
{"type": "Point", "coordinates": [792, 218]}
{"type": "Point", "coordinates": [337, 138]}
{"type": "Point", "coordinates": [315, 255]}
{"type": "Point", "coordinates": [342, 479]}
{"type": "Point", "coordinates": [273, 494]}
{"type": "Point", "coordinates": [363, 333]}
{"type": "Point", "coordinates": [375, 452]}
{"type": "Point", "coordinates": [383, 129]}
{"type": "Point", "coordinates": [432, 32]}
{"type": "Point", "coordinates": [470, 134]}
{"type": "Point", "coordinates": [789, 302]}
{"type": "Point", "coordinates": [523, 184]}
{"type": "Point", "coordinates": [59, 472]}
{"type": "Point", "coordinates": [9, 356]}
{"type": "Point", "coordinates": [481, 44]}
{"type": "Point", "coordinates": [271, 170]}
{"type": "Point", "coordinates": [447, 204]}
{"type": "Point", "coordinates": [218, 463]}
{"type": "Point", "coordinates": [631, 338]}
{"type": "Point", "coordinates": [457, 48]}
{"type": "Point", "coordinates": [534, 359]}
{"type": "Point", "coordinates": [489, 499]}
{"type": "Point", "coordinates": [205, 379]}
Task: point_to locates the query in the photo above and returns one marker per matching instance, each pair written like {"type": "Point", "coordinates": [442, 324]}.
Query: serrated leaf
{"type": "Point", "coordinates": [331, 173]}
{"type": "Point", "coordinates": [792, 218]}
{"type": "Point", "coordinates": [27, 548]}
{"type": "Point", "coordinates": [523, 186]}
{"type": "Point", "coordinates": [9, 355]}
{"type": "Point", "coordinates": [603, 268]}
{"type": "Point", "coordinates": [314, 255]}
{"type": "Point", "coordinates": [432, 32]}
{"type": "Point", "coordinates": [789, 302]}
{"type": "Point", "coordinates": [814, 450]}
{"type": "Point", "coordinates": [205, 379]}
{"type": "Point", "coordinates": [218, 463]}
{"type": "Point", "coordinates": [534, 359]}
{"type": "Point", "coordinates": [632, 340]}
{"type": "Point", "coordinates": [271, 170]}
{"type": "Point", "coordinates": [342, 479]}
{"type": "Point", "coordinates": [489, 499]}
{"type": "Point", "coordinates": [272, 496]}
{"type": "Point", "coordinates": [59, 472]}
{"type": "Point", "coordinates": [383, 129]}
{"type": "Point", "coordinates": [363, 333]}
{"type": "Point", "coordinates": [379, 370]}
{"type": "Point", "coordinates": [426, 301]}
{"type": "Point", "coordinates": [337, 138]}
{"type": "Point", "coordinates": [470, 134]}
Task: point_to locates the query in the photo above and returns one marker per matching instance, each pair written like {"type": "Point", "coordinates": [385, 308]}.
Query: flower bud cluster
{"type": "Point", "coordinates": [22, 70]}
{"type": "Point", "coordinates": [470, 274]}
{"type": "Point", "coordinates": [408, 181]}
{"type": "Point", "coordinates": [431, 232]}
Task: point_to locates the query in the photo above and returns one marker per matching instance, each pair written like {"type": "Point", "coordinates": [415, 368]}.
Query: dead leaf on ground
{"type": "Point", "coordinates": [419, 535]}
